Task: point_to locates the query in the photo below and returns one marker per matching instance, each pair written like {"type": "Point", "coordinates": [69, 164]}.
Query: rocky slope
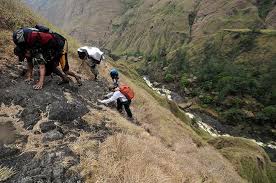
{"type": "Point", "coordinates": [41, 127]}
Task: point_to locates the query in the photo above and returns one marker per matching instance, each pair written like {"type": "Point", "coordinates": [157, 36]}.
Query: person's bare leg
{"type": "Point", "coordinates": [42, 71]}
{"type": "Point", "coordinates": [78, 78]}
{"type": "Point", "coordinates": [61, 74]}
{"type": "Point", "coordinates": [29, 72]}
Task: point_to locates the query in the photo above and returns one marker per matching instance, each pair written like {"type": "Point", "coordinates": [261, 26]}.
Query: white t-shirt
{"type": "Point", "coordinates": [114, 96]}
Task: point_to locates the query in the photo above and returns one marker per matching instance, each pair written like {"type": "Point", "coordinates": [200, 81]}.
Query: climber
{"type": "Point", "coordinates": [123, 96]}
{"type": "Point", "coordinates": [40, 47]}
{"type": "Point", "coordinates": [93, 56]}
{"type": "Point", "coordinates": [64, 64]}
{"type": "Point", "coordinates": [115, 77]}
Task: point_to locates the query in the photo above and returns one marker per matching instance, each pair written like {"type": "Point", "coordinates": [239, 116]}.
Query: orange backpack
{"type": "Point", "coordinates": [127, 92]}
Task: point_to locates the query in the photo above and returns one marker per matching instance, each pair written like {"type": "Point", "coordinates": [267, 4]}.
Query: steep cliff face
{"type": "Point", "coordinates": [89, 21]}
{"type": "Point", "coordinates": [150, 25]}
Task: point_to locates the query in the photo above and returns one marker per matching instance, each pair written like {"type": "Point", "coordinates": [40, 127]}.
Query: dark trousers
{"type": "Point", "coordinates": [126, 105]}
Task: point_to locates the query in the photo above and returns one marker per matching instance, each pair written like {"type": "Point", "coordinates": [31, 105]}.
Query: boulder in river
{"type": "Point", "coordinates": [185, 106]}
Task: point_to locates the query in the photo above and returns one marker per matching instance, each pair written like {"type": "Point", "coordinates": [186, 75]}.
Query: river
{"type": "Point", "coordinates": [208, 123]}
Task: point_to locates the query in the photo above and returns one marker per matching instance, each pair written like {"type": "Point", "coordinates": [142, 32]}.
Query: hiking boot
{"type": "Point", "coordinates": [79, 81]}
{"type": "Point", "coordinates": [131, 119]}
{"type": "Point", "coordinates": [134, 121]}
{"type": "Point", "coordinates": [65, 81]}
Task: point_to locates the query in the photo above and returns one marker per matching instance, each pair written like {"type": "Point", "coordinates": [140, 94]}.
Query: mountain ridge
{"type": "Point", "coordinates": [86, 20]}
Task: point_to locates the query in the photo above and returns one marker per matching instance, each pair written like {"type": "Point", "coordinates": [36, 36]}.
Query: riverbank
{"type": "Point", "coordinates": [216, 128]}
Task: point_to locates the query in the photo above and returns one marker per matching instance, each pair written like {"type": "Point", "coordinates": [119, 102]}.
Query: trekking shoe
{"type": "Point", "coordinates": [131, 119]}
{"type": "Point", "coordinates": [63, 82]}
{"type": "Point", "coordinates": [29, 81]}
{"type": "Point", "coordinates": [134, 121]}
{"type": "Point", "coordinates": [79, 81]}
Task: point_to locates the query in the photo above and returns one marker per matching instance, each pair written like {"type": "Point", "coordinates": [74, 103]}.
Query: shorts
{"type": "Point", "coordinates": [63, 62]}
{"type": "Point", "coordinates": [38, 59]}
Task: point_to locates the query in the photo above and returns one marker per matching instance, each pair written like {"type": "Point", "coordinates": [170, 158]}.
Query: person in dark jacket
{"type": "Point", "coordinates": [40, 48]}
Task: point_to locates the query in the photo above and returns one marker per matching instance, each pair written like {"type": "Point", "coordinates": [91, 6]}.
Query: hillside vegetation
{"type": "Point", "coordinates": [221, 52]}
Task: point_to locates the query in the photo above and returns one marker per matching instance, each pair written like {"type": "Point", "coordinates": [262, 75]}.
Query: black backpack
{"type": "Point", "coordinates": [20, 35]}
{"type": "Point", "coordinates": [60, 40]}
{"type": "Point", "coordinates": [42, 28]}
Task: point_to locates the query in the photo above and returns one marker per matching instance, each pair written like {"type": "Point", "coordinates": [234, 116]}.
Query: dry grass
{"type": "Point", "coordinates": [6, 50]}
{"type": "Point", "coordinates": [168, 153]}
{"type": "Point", "coordinates": [250, 159]}
{"type": "Point", "coordinates": [160, 120]}
{"type": "Point", "coordinates": [13, 15]}
{"type": "Point", "coordinates": [87, 149]}
{"type": "Point", "coordinates": [124, 158]}
{"type": "Point", "coordinates": [6, 173]}
{"type": "Point", "coordinates": [115, 121]}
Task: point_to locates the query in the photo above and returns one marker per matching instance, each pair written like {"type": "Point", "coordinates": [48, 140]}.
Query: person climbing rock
{"type": "Point", "coordinates": [40, 47]}
{"type": "Point", "coordinates": [64, 65]}
{"type": "Point", "coordinates": [93, 56]}
{"type": "Point", "coordinates": [114, 74]}
{"type": "Point", "coordinates": [123, 95]}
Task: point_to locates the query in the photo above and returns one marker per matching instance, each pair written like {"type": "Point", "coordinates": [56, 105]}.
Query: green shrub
{"type": "Point", "coordinates": [169, 78]}
{"type": "Point", "coordinates": [129, 4]}
{"type": "Point", "coordinates": [270, 113]}
{"type": "Point", "coordinates": [134, 53]}
{"type": "Point", "coordinates": [264, 6]}
{"type": "Point", "coordinates": [184, 81]}
{"type": "Point", "coordinates": [207, 99]}
{"type": "Point", "coordinates": [233, 116]}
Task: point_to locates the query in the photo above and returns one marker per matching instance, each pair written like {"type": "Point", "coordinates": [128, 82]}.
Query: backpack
{"type": "Point", "coordinates": [93, 53]}
{"type": "Point", "coordinates": [20, 36]}
{"type": "Point", "coordinates": [60, 40]}
{"type": "Point", "coordinates": [127, 91]}
{"type": "Point", "coordinates": [39, 36]}
{"type": "Point", "coordinates": [42, 28]}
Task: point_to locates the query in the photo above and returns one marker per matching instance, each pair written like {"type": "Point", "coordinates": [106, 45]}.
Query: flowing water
{"type": "Point", "coordinates": [209, 124]}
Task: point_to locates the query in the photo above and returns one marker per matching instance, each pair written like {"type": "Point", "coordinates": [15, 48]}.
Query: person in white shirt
{"type": "Point", "coordinates": [93, 55]}
{"type": "Point", "coordinates": [122, 101]}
